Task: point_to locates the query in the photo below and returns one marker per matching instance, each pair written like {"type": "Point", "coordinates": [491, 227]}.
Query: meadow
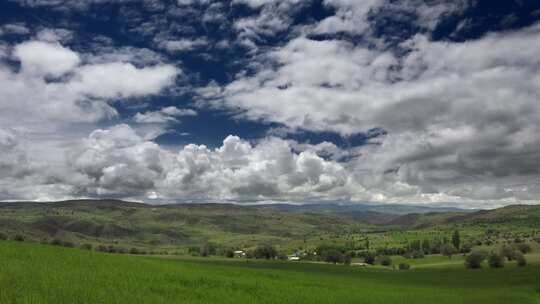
{"type": "Point", "coordinates": [36, 273]}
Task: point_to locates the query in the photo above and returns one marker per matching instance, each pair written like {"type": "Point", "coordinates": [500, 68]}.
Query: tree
{"type": "Point", "coordinates": [456, 240]}
{"type": "Point", "coordinates": [56, 242]}
{"type": "Point", "coordinates": [448, 250]}
{"type": "Point", "coordinates": [86, 246]}
{"type": "Point", "coordinates": [520, 259]}
{"type": "Point", "coordinates": [265, 252]}
{"type": "Point", "coordinates": [347, 259]}
{"type": "Point", "coordinates": [194, 250]}
{"type": "Point", "coordinates": [404, 266]}
{"type": "Point", "coordinates": [333, 256]}
{"type": "Point", "coordinates": [229, 253]}
{"type": "Point", "coordinates": [426, 246]}
{"type": "Point", "coordinates": [524, 248]}
{"type": "Point", "coordinates": [495, 260]}
{"type": "Point", "coordinates": [466, 248]}
{"type": "Point", "coordinates": [208, 249]}
{"type": "Point", "coordinates": [417, 254]}
{"type": "Point", "coordinates": [474, 259]}
{"type": "Point", "coordinates": [508, 252]}
{"type": "Point", "coordinates": [386, 261]}
{"type": "Point", "coordinates": [369, 258]}
{"type": "Point", "coordinates": [415, 245]}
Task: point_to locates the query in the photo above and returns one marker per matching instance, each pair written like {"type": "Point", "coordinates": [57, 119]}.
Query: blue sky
{"type": "Point", "coordinates": [379, 101]}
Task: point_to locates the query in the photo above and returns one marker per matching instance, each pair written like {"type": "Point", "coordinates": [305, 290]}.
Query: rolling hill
{"type": "Point", "coordinates": [176, 227]}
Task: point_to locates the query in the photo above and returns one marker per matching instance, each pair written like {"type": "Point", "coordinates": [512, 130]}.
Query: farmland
{"type": "Point", "coordinates": [36, 273]}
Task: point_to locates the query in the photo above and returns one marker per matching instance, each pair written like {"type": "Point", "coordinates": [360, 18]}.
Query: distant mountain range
{"type": "Point", "coordinates": [396, 209]}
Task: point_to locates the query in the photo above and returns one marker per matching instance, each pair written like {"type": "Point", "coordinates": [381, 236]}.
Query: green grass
{"type": "Point", "coordinates": [34, 273]}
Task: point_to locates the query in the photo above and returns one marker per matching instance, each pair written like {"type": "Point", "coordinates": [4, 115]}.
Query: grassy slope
{"type": "Point", "coordinates": [522, 216]}
{"type": "Point", "coordinates": [176, 227]}
{"type": "Point", "coordinates": [32, 273]}
{"type": "Point", "coordinates": [131, 224]}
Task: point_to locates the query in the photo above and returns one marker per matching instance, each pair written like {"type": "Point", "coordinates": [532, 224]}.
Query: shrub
{"type": "Point", "coordinates": [68, 244]}
{"type": "Point", "coordinates": [404, 266]}
{"type": "Point", "coordinates": [524, 248]}
{"type": "Point", "coordinates": [18, 238]}
{"type": "Point", "coordinates": [86, 246]}
{"type": "Point", "coordinates": [56, 242]}
{"type": "Point", "coordinates": [466, 248]}
{"type": "Point", "coordinates": [229, 253]}
{"type": "Point", "coordinates": [474, 259]}
{"type": "Point", "coordinates": [520, 259]}
{"type": "Point", "coordinates": [448, 250]}
{"type": "Point", "coordinates": [369, 258]}
{"type": "Point", "coordinates": [194, 251]}
{"type": "Point", "coordinates": [386, 261]}
{"type": "Point", "coordinates": [347, 259]}
{"type": "Point", "coordinates": [418, 254]}
{"type": "Point", "coordinates": [495, 260]}
{"type": "Point", "coordinates": [134, 251]}
{"type": "Point", "coordinates": [265, 252]}
{"type": "Point", "coordinates": [508, 252]}
{"type": "Point", "coordinates": [208, 249]}
{"type": "Point", "coordinates": [3, 237]}
{"type": "Point", "coordinates": [332, 256]}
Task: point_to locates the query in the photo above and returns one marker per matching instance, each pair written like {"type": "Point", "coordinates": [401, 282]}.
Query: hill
{"type": "Point", "coordinates": [525, 216]}
{"type": "Point", "coordinates": [178, 227]}
{"type": "Point", "coordinates": [166, 226]}
{"type": "Point", "coordinates": [390, 209]}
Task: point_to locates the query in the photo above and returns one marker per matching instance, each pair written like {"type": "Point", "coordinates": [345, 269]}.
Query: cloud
{"type": "Point", "coordinates": [456, 113]}
{"type": "Point", "coordinates": [54, 35]}
{"type": "Point", "coordinates": [360, 17]}
{"type": "Point", "coordinates": [193, 2]}
{"type": "Point", "coordinates": [119, 162]}
{"type": "Point", "coordinates": [182, 45]}
{"type": "Point", "coordinates": [116, 161]}
{"type": "Point", "coordinates": [80, 93]}
{"type": "Point", "coordinates": [165, 115]}
{"type": "Point", "coordinates": [63, 5]}
{"type": "Point", "coordinates": [273, 18]}
{"type": "Point", "coordinates": [14, 162]}
{"type": "Point", "coordinates": [45, 59]}
{"type": "Point", "coordinates": [461, 119]}
{"type": "Point", "coordinates": [121, 80]}
{"type": "Point", "coordinates": [49, 103]}
{"type": "Point", "coordinates": [351, 16]}
{"type": "Point", "coordinates": [14, 29]}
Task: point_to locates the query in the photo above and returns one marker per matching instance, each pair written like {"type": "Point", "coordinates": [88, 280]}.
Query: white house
{"type": "Point", "coordinates": [239, 254]}
{"type": "Point", "coordinates": [293, 258]}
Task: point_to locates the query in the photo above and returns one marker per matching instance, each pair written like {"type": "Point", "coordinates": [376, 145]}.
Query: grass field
{"type": "Point", "coordinates": [34, 273]}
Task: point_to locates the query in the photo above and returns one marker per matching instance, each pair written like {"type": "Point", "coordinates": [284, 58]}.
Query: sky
{"type": "Point", "coordinates": [261, 101]}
